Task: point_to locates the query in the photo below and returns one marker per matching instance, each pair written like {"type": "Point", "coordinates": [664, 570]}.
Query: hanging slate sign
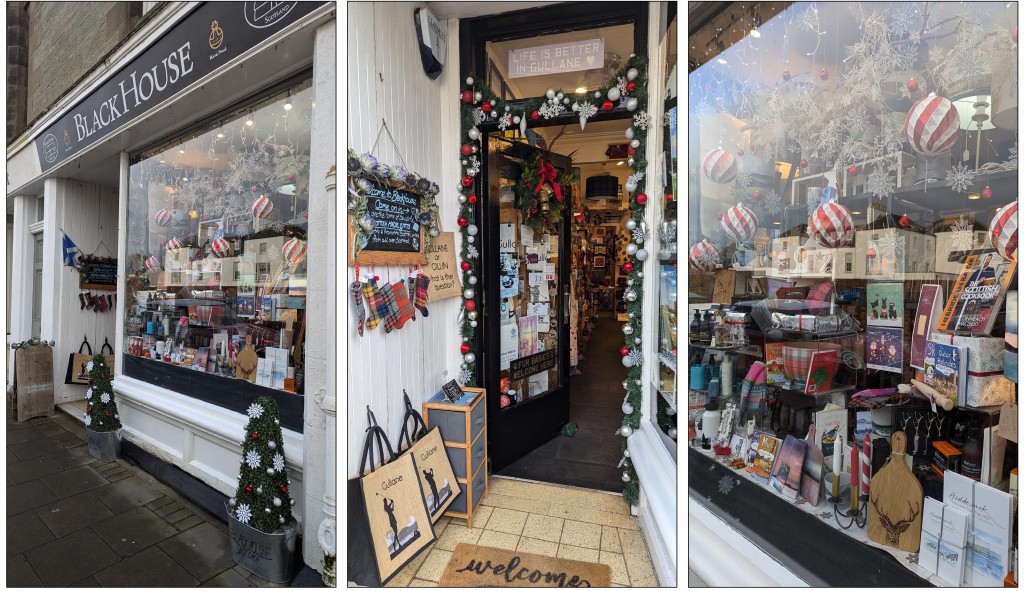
{"type": "Point", "coordinates": [536, 363]}
{"type": "Point", "coordinates": [98, 273]}
{"type": "Point", "coordinates": [397, 235]}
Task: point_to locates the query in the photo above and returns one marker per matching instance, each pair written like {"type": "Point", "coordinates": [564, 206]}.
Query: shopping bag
{"type": "Point", "coordinates": [108, 357]}
{"type": "Point", "coordinates": [78, 363]}
{"type": "Point", "coordinates": [388, 522]}
{"type": "Point", "coordinates": [437, 477]}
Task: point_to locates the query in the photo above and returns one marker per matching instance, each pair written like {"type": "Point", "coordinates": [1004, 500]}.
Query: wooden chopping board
{"type": "Point", "coordinates": [896, 501]}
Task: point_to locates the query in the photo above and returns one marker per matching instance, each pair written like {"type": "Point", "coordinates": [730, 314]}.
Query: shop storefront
{"type": "Point", "coordinates": [188, 173]}
{"type": "Point", "coordinates": [852, 302]}
{"type": "Point", "coordinates": [547, 220]}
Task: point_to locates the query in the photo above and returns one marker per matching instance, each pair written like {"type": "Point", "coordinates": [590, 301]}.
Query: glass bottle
{"type": "Point", "coordinates": [705, 327]}
{"type": "Point", "coordinates": [970, 462]}
{"type": "Point", "coordinates": [695, 327]}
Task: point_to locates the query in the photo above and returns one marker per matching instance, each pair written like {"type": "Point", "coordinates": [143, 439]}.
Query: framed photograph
{"type": "Point", "coordinates": [599, 261]}
{"type": "Point", "coordinates": [600, 250]}
{"type": "Point", "coordinates": [600, 231]}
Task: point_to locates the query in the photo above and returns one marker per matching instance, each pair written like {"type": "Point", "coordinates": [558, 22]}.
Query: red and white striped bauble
{"type": "Point", "coordinates": [294, 250]}
{"type": "Point", "coordinates": [831, 225]}
{"type": "Point", "coordinates": [932, 125]}
{"type": "Point", "coordinates": [1003, 234]}
{"type": "Point", "coordinates": [262, 207]}
{"type": "Point", "coordinates": [173, 245]}
{"type": "Point", "coordinates": [720, 166]}
{"type": "Point", "coordinates": [162, 218]}
{"type": "Point", "coordinates": [220, 248]}
{"type": "Point", "coordinates": [152, 263]}
{"type": "Point", "coordinates": [704, 256]}
{"type": "Point", "coordinates": [739, 223]}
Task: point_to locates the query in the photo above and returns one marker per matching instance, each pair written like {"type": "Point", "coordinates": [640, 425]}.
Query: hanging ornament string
{"type": "Point", "coordinates": [384, 127]}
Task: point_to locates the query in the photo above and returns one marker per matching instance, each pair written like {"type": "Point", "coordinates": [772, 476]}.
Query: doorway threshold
{"type": "Point", "coordinates": [555, 484]}
{"type": "Point", "coordinates": [75, 409]}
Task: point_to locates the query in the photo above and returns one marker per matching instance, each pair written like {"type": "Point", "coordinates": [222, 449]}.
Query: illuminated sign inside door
{"type": "Point", "coordinates": [556, 58]}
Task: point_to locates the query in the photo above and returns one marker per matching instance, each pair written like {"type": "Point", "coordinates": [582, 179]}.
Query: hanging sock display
{"type": "Point", "coordinates": [377, 308]}
{"type": "Point", "coordinates": [357, 297]}
{"type": "Point", "coordinates": [400, 309]}
{"type": "Point", "coordinates": [420, 294]}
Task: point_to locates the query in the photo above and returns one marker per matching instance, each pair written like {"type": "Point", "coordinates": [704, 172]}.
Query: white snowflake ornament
{"type": "Point", "coordinates": [88, 366]}
{"type": "Point", "coordinates": [585, 111]}
{"type": "Point", "coordinates": [479, 116]}
{"type": "Point", "coordinates": [243, 513]}
{"type": "Point", "coordinates": [641, 119]}
{"type": "Point", "coordinates": [880, 184]}
{"type": "Point", "coordinates": [105, 398]}
{"type": "Point", "coordinates": [634, 181]}
{"type": "Point", "coordinates": [960, 177]}
{"type": "Point", "coordinates": [464, 376]}
{"type": "Point", "coordinates": [88, 420]}
{"type": "Point", "coordinates": [552, 108]}
{"type": "Point", "coordinates": [962, 237]}
{"type": "Point", "coordinates": [252, 459]}
{"type": "Point", "coordinates": [472, 252]}
{"type": "Point", "coordinates": [88, 393]}
{"type": "Point", "coordinates": [278, 462]}
{"type": "Point", "coordinates": [254, 411]}
{"type": "Point", "coordinates": [505, 121]}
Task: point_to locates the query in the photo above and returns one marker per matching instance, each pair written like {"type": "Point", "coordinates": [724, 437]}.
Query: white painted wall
{"type": "Point", "coordinates": [386, 81]}
{"type": "Point", "coordinates": [88, 214]}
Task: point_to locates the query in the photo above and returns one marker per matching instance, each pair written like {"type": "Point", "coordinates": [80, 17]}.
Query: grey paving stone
{"type": "Point", "coordinates": [168, 509]}
{"type": "Point", "coordinates": [65, 437]}
{"type": "Point", "coordinates": [15, 426]}
{"type": "Point", "coordinates": [150, 568]}
{"type": "Point", "coordinates": [73, 513]}
{"type": "Point", "coordinates": [69, 424]}
{"type": "Point", "coordinates": [134, 531]}
{"type": "Point", "coordinates": [71, 558]}
{"type": "Point", "coordinates": [36, 448]}
{"type": "Point", "coordinates": [50, 428]}
{"type": "Point", "coordinates": [189, 522]}
{"type": "Point", "coordinates": [178, 515]}
{"type": "Point", "coordinates": [27, 496]}
{"type": "Point", "coordinates": [11, 458]}
{"type": "Point", "coordinates": [27, 434]}
{"type": "Point", "coordinates": [119, 476]}
{"type": "Point", "coordinates": [228, 578]}
{"type": "Point", "coordinates": [71, 458]}
{"type": "Point", "coordinates": [87, 582]}
{"type": "Point", "coordinates": [33, 469]}
{"type": "Point", "coordinates": [20, 573]}
{"type": "Point", "coordinates": [24, 532]}
{"type": "Point", "coordinates": [161, 502]}
{"type": "Point", "coordinates": [74, 481]}
{"type": "Point", "coordinates": [126, 494]}
{"type": "Point", "coordinates": [203, 550]}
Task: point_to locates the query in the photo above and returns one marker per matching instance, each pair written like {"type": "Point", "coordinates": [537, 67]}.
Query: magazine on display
{"type": "Point", "coordinates": [978, 293]}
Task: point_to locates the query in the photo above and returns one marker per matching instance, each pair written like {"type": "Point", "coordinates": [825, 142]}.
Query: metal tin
{"type": "Point", "coordinates": [104, 446]}
{"type": "Point", "coordinates": [269, 556]}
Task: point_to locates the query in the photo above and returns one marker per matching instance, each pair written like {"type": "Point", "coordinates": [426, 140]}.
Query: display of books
{"type": "Point", "coordinates": [978, 293]}
{"type": "Point", "coordinates": [767, 447]}
{"type": "Point", "coordinates": [945, 369]}
{"type": "Point", "coordinates": [789, 467]}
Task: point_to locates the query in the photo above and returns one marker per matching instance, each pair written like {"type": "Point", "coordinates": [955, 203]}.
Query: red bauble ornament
{"type": "Point", "coordinates": [904, 221]}
{"type": "Point", "coordinates": [464, 348]}
{"type": "Point", "coordinates": [255, 435]}
{"type": "Point", "coordinates": [88, 410]}
{"type": "Point", "coordinates": [630, 150]}
{"type": "Point", "coordinates": [628, 267]}
{"type": "Point", "coordinates": [284, 489]}
{"type": "Point", "coordinates": [986, 193]}
{"type": "Point", "coordinates": [641, 199]}
{"type": "Point", "coordinates": [785, 75]}
{"type": "Point", "coordinates": [823, 74]}
{"type": "Point", "coordinates": [912, 85]}
{"type": "Point", "coordinates": [486, 107]}
{"type": "Point", "coordinates": [470, 305]}
{"type": "Point", "coordinates": [631, 86]}
{"type": "Point", "coordinates": [376, 277]}
{"type": "Point", "coordinates": [535, 115]}
{"type": "Point", "coordinates": [607, 106]}
{"type": "Point", "coordinates": [467, 149]}
{"type": "Point", "coordinates": [756, 195]}
{"type": "Point", "coordinates": [467, 181]}
{"type": "Point", "coordinates": [106, 414]}
{"type": "Point", "coordinates": [624, 351]}
{"type": "Point", "coordinates": [803, 163]}
{"type": "Point", "coordinates": [465, 265]}
{"type": "Point", "coordinates": [668, 197]}
{"type": "Point", "coordinates": [853, 170]}
{"type": "Point", "coordinates": [471, 198]}
{"type": "Point", "coordinates": [467, 96]}
{"type": "Point", "coordinates": [1015, 34]}
{"type": "Point", "coordinates": [104, 376]}
{"type": "Point", "coordinates": [248, 489]}
{"type": "Point", "coordinates": [462, 221]}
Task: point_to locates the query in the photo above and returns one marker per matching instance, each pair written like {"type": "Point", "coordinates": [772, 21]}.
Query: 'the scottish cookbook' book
{"type": "Point", "coordinates": [977, 294]}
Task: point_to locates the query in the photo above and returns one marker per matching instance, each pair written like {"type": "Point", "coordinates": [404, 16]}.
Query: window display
{"type": "Point", "coordinates": [852, 238]}
{"type": "Point", "coordinates": [216, 265]}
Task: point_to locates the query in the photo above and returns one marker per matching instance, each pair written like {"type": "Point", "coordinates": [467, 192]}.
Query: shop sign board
{"type": "Point", "coordinates": [557, 58]}
{"type": "Point", "coordinates": [536, 363]}
{"type": "Point", "coordinates": [395, 214]}
{"type": "Point", "coordinates": [442, 269]}
{"type": "Point", "coordinates": [206, 40]}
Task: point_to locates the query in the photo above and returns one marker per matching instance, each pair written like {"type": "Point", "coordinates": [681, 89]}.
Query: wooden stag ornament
{"type": "Point", "coordinates": [896, 499]}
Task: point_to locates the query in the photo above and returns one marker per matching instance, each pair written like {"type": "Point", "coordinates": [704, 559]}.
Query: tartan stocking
{"type": "Point", "coordinates": [404, 304]}
{"type": "Point", "coordinates": [357, 297]}
{"type": "Point", "coordinates": [377, 308]}
{"type": "Point", "coordinates": [420, 294]}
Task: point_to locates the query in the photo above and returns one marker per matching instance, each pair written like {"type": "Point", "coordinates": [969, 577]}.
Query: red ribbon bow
{"type": "Point", "coordinates": [548, 174]}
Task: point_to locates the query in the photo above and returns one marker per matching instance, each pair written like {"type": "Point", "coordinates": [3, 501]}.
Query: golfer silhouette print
{"type": "Point", "coordinates": [390, 510]}
{"type": "Point", "coordinates": [433, 486]}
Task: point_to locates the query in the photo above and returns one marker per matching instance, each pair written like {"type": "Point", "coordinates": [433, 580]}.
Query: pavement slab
{"type": "Point", "coordinates": [127, 494]}
{"type": "Point", "coordinates": [71, 558]}
{"type": "Point", "coordinates": [28, 434]}
{"type": "Point", "coordinates": [73, 513]}
{"type": "Point", "coordinates": [27, 496]}
{"type": "Point", "coordinates": [134, 531]}
{"type": "Point", "coordinates": [228, 578]}
{"type": "Point", "coordinates": [21, 574]}
{"type": "Point", "coordinates": [20, 472]}
{"type": "Point", "coordinates": [203, 550]}
{"type": "Point", "coordinates": [35, 448]}
{"type": "Point", "coordinates": [150, 568]}
{"type": "Point", "coordinates": [74, 481]}
{"type": "Point", "coordinates": [26, 531]}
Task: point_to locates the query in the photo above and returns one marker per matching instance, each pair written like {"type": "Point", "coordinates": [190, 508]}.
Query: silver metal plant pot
{"type": "Point", "coordinates": [104, 446]}
{"type": "Point", "coordinates": [270, 556]}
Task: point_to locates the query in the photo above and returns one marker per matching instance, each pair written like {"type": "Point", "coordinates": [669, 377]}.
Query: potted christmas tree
{"type": "Point", "coordinates": [102, 423]}
{"type": "Point", "coordinates": [263, 532]}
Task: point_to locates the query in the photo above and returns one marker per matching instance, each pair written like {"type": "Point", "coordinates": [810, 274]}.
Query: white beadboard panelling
{"type": "Point", "coordinates": [451, 10]}
{"type": "Point", "coordinates": [386, 81]}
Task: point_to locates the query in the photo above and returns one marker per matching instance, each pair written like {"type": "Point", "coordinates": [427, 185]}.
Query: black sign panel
{"type": "Point", "coordinates": [396, 219]}
{"type": "Point", "coordinates": [204, 41]}
{"type": "Point", "coordinates": [98, 271]}
{"type": "Point", "coordinates": [452, 391]}
{"type": "Point", "coordinates": [536, 363]}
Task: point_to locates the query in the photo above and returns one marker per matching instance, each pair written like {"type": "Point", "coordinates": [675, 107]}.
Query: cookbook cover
{"type": "Point", "coordinates": [820, 372]}
{"type": "Point", "coordinates": [977, 294]}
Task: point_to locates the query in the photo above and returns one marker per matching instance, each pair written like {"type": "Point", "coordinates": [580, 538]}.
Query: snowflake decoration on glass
{"type": "Point", "coordinates": [703, 109]}
{"type": "Point", "coordinates": [472, 252]}
{"type": "Point", "coordinates": [960, 177]}
{"type": "Point", "coordinates": [1012, 159]}
{"type": "Point", "coordinates": [634, 181]}
{"type": "Point", "coordinates": [743, 178]}
{"type": "Point", "coordinates": [479, 116]}
{"type": "Point", "coordinates": [813, 203]}
{"type": "Point", "coordinates": [552, 108]}
{"type": "Point", "coordinates": [641, 119]}
{"type": "Point", "coordinates": [639, 236]}
{"type": "Point", "coordinates": [809, 20]}
{"type": "Point", "coordinates": [464, 376]}
{"type": "Point", "coordinates": [278, 462]}
{"type": "Point", "coordinates": [726, 484]}
{"type": "Point", "coordinates": [902, 20]}
{"type": "Point", "coordinates": [857, 120]}
{"type": "Point", "coordinates": [252, 459]}
{"type": "Point", "coordinates": [799, 501]}
{"type": "Point", "coordinates": [880, 184]}
{"type": "Point", "coordinates": [243, 513]}
{"type": "Point", "coordinates": [891, 244]}
{"type": "Point", "coordinates": [707, 260]}
{"type": "Point", "coordinates": [621, 85]}
{"type": "Point", "coordinates": [105, 398]}
{"type": "Point", "coordinates": [770, 204]}
{"type": "Point", "coordinates": [962, 237]}
{"type": "Point", "coordinates": [254, 411]}
{"type": "Point", "coordinates": [88, 420]}
{"type": "Point", "coordinates": [505, 121]}
{"type": "Point", "coordinates": [637, 357]}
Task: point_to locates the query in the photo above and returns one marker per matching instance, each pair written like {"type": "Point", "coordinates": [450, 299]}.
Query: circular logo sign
{"type": "Point", "coordinates": [265, 14]}
{"type": "Point", "coordinates": [50, 148]}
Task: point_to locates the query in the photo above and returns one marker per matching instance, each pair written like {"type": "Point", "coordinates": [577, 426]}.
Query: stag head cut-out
{"type": "Point", "coordinates": [893, 530]}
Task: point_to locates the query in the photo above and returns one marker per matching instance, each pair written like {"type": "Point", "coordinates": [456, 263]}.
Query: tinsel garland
{"type": "Point", "coordinates": [471, 133]}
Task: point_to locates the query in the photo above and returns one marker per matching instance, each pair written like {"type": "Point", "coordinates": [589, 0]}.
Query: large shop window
{"type": "Point", "coordinates": [852, 260]}
{"type": "Point", "coordinates": [216, 259]}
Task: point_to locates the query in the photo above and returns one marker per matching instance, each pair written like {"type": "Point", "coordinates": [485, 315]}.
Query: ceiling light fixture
{"type": "Point", "coordinates": [620, 162]}
{"type": "Point", "coordinates": [581, 90]}
{"type": "Point", "coordinates": [755, 33]}
{"type": "Point", "coordinates": [220, 136]}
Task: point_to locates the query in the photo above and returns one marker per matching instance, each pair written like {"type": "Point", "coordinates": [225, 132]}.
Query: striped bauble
{"type": "Point", "coordinates": [173, 245]}
{"type": "Point", "coordinates": [294, 250]}
{"type": "Point", "coordinates": [162, 218]}
{"type": "Point", "coordinates": [220, 248]}
{"type": "Point", "coordinates": [262, 207]}
{"type": "Point", "coordinates": [739, 223]}
{"type": "Point", "coordinates": [831, 225]}
{"type": "Point", "coordinates": [704, 256]}
{"type": "Point", "coordinates": [1003, 234]}
{"type": "Point", "coordinates": [720, 166]}
{"type": "Point", "coordinates": [932, 125]}
{"type": "Point", "coordinates": [153, 263]}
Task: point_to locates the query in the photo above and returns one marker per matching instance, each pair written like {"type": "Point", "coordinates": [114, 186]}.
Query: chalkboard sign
{"type": "Point", "coordinates": [452, 391]}
{"type": "Point", "coordinates": [98, 273]}
{"type": "Point", "coordinates": [397, 237]}
{"type": "Point", "coordinates": [536, 363]}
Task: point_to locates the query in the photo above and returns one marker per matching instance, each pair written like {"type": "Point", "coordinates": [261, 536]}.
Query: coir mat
{"type": "Point", "coordinates": [482, 566]}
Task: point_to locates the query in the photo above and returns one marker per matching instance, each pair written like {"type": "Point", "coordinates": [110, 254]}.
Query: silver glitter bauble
{"type": "Point", "coordinates": [280, 519]}
{"type": "Point", "coordinates": [472, 279]}
{"type": "Point", "coordinates": [625, 383]}
{"type": "Point", "coordinates": [629, 133]}
{"type": "Point", "coordinates": [474, 133]}
{"type": "Point", "coordinates": [472, 229]}
{"type": "Point", "coordinates": [597, 94]}
{"type": "Point", "coordinates": [631, 249]}
{"type": "Point", "coordinates": [631, 162]}
{"type": "Point", "coordinates": [232, 502]}
{"type": "Point", "coordinates": [635, 144]}
{"type": "Point", "coordinates": [625, 452]}
{"type": "Point", "coordinates": [470, 239]}
{"type": "Point", "coordinates": [462, 198]}
{"type": "Point", "coordinates": [626, 431]}
{"type": "Point", "coordinates": [507, 108]}
{"type": "Point", "coordinates": [277, 502]}
{"type": "Point", "coordinates": [469, 294]}
{"type": "Point", "coordinates": [475, 149]}
{"type": "Point", "coordinates": [259, 490]}
{"type": "Point", "coordinates": [292, 502]}
{"type": "Point", "coordinates": [630, 295]}
{"type": "Point", "coordinates": [515, 119]}
{"type": "Point", "coordinates": [631, 315]}
{"type": "Point", "coordinates": [266, 510]}
{"type": "Point", "coordinates": [639, 273]}
{"type": "Point", "coordinates": [631, 224]}
{"type": "Point", "coordinates": [628, 361]}
{"type": "Point", "coordinates": [494, 102]}
{"type": "Point", "coordinates": [550, 93]}
{"type": "Point", "coordinates": [272, 445]}
{"type": "Point", "coordinates": [670, 411]}
{"type": "Point", "coordinates": [470, 357]}
{"type": "Point", "coordinates": [478, 96]}
{"type": "Point", "coordinates": [469, 81]}
{"type": "Point", "coordinates": [641, 255]}
{"type": "Point", "coordinates": [627, 408]}
{"type": "Point", "coordinates": [472, 315]}
{"type": "Point", "coordinates": [637, 340]}
{"type": "Point", "coordinates": [632, 104]}
{"type": "Point", "coordinates": [472, 323]}
{"type": "Point", "coordinates": [632, 74]}
{"type": "Point", "coordinates": [613, 94]}
{"type": "Point", "coordinates": [627, 329]}
{"type": "Point", "coordinates": [565, 100]}
{"type": "Point", "coordinates": [270, 471]}
{"type": "Point", "coordinates": [559, 95]}
{"type": "Point", "coordinates": [625, 477]}
{"type": "Point", "coordinates": [629, 282]}
{"type": "Point", "coordinates": [494, 114]}
{"type": "Point", "coordinates": [673, 432]}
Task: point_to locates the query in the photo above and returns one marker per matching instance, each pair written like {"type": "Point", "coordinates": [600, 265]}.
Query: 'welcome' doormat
{"type": "Point", "coordinates": [481, 566]}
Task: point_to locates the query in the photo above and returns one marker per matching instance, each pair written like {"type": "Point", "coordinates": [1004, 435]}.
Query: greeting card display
{"type": "Point", "coordinates": [885, 304]}
{"type": "Point", "coordinates": [884, 348]}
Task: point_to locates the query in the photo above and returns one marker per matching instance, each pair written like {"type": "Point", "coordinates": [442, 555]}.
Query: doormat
{"type": "Point", "coordinates": [482, 566]}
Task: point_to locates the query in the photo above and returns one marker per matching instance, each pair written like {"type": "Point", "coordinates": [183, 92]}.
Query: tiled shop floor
{"type": "Point", "coordinates": [543, 519]}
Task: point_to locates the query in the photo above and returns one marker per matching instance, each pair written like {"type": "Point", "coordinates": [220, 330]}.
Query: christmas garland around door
{"type": "Point", "coordinates": [625, 91]}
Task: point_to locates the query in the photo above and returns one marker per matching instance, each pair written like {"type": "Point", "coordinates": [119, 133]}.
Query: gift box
{"type": "Point", "coordinates": [986, 385]}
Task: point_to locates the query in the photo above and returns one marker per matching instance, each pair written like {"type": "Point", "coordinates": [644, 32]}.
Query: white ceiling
{"type": "Point", "coordinates": [446, 10]}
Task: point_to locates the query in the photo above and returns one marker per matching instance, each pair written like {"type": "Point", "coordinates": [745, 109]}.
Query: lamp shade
{"type": "Point", "coordinates": [603, 187]}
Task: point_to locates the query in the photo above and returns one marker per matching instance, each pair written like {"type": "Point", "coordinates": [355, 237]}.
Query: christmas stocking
{"type": "Point", "coordinates": [420, 294]}
{"type": "Point", "coordinates": [357, 296]}
{"type": "Point", "coordinates": [404, 303]}
{"type": "Point", "coordinates": [398, 311]}
{"type": "Point", "coordinates": [377, 309]}
{"type": "Point", "coordinates": [412, 294]}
